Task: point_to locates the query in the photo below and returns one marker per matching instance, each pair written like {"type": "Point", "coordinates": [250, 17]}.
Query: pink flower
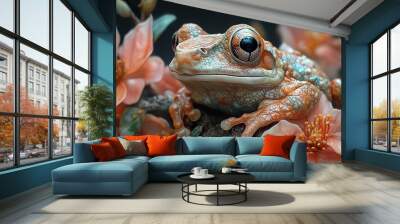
{"type": "Point", "coordinates": [137, 68]}
{"type": "Point", "coordinates": [323, 109]}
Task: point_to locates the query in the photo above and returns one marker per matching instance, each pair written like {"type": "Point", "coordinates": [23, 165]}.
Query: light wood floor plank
{"type": "Point", "coordinates": [377, 190]}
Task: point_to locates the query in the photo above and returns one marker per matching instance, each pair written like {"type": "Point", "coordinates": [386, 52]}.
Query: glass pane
{"type": "Point", "coordinates": [33, 139]}
{"type": "Point", "coordinates": [7, 14]}
{"type": "Point", "coordinates": [34, 97]}
{"type": "Point", "coordinates": [62, 29]}
{"type": "Point", "coordinates": [62, 89]}
{"type": "Point", "coordinates": [81, 45]}
{"type": "Point", "coordinates": [81, 131]}
{"type": "Point", "coordinates": [395, 94]}
{"type": "Point", "coordinates": [379, 135]}
{"type": "Point", "coordinates": [81, 81]}
{"type": "Point", "coordinates": [395, 47]}
{"type": "Point", "coordinates": [62, 138]}
{"type": "Point", "coordinates": [35, 21]}
{"type": "Point", "coordinates": [379, 97]}
{"type": "Point", "coordinates": [6, 74]}
{"type": "Point", "coordinates": [6, 142]}
{"type": "Point", "coordinates": [395, 135]}
{"type": "Point", "coordinates": [379, 55]}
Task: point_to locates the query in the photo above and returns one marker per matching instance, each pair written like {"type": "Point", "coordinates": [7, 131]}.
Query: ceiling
{"type": "Point", "coordinates": [330, 16]}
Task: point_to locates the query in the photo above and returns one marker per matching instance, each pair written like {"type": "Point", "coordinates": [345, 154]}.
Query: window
{"type": "Point", "coordinates": [7, 71]}
{"type": "Point", "coordinates": [30, 72]}
{"type": "Point", "coordinates": [34, 128]}
{"type": "Point", "coordinates": [30, 87]}
{"type": "Point", "coordinates": [7, 14]}
{"type": "Point", "coordinates": [81, 45]}
{"type": "Point", "coordinates": [3, 78]}
{"type": "Point", "coordinates": [38, 89]}
{"type": "Point", "coordinates": [385, 94]}
{"type": "Point", "coordinates": [44, 91]}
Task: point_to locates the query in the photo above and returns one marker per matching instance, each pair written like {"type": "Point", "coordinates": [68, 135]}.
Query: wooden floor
{"type": "Point", "coordinates": [379, 189]}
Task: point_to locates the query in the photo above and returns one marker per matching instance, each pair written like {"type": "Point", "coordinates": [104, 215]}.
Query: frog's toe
{"type": "Point", "coordinates": [251, 129]}
{"type": "Point", "coordinates": [226, 125]}
{"type": "Point", "coordinates": [229, 123]}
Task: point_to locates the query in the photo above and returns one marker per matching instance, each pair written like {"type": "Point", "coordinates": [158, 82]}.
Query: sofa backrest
{"type": "Point", "coordinates": [83, 152]}
{"type": "Point", "coordinates": [206, 145]}
{"type": "Point", "coordinates": [249, 145]}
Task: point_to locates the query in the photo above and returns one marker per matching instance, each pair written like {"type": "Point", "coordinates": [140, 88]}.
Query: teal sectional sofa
{"type": "Point", "coordinates": [125, 176]}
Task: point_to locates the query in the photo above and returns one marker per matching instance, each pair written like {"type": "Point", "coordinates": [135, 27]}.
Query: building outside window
{"type": "Point", "coordinates": [57, 127]}
{"type": "Point", "coordinates": [30, 87]}
{"type": "Point", "coordinates": [385, 94]}
{"type": "Point", "coordinates": [3, 72]}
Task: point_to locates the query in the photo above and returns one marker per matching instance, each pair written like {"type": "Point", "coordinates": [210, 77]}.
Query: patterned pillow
{"type": "Point", "coordinates": [134, 147]}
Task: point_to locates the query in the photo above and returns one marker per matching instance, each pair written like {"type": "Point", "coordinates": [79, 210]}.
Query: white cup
{"type": "Point", "coordinates": [203, 172]}
{"type": "Point", "coordinates": [196, 171]}
{"type": "Point", "coordinates": [226, 170]}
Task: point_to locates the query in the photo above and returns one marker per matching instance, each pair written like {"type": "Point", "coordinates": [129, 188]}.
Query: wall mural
{"type": "Point", "coordinates": [200, 73]}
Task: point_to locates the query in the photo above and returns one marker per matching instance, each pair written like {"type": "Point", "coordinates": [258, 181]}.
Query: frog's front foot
{"type": "Point", "coordinates": [300, 98]}
{"type": "Point", "coordinates": [181, 109]}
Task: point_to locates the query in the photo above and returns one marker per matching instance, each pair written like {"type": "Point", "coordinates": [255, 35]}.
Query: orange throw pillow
{"type": "Point", "coordinates": [161, 145]}
{"type": "Point", "coordinates": [135, 137]}
{"type": "Point", "coordinates": [277, 145]}
{"type": "Point", "coordinates": [116, 145]}
{"type": "Point", "coordinates": [103, 152]}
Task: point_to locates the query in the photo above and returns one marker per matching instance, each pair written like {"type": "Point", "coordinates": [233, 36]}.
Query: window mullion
{"type": "Point", "coordinates": [73, 123]}
{"type": "Point", "coordinates": [16, 84]}
{"type": "Point", "coordinates": [50, 81]}
{"type": "Point", "coordinates": [389, 104]}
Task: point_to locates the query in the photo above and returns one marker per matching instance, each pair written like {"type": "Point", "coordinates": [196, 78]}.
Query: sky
{"type": "Point", "coordinates": [34, 23]}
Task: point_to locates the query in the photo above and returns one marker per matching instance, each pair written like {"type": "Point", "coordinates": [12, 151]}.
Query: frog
{"type": "Point", "coordinates": [241, 74]}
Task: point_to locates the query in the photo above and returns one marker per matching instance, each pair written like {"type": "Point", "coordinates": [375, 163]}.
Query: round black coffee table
{"type": "Point", "coordinates": [238, 179]}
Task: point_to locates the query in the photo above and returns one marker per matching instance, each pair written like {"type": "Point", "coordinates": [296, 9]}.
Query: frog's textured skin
{"type": "Point", "coordinates": [250, 78]}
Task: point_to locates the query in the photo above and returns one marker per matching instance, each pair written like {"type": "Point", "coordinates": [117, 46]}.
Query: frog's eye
{"type": "Point", "coordinates": [246, 46]}
{"type": "Point", "coordinates": [175, 41]}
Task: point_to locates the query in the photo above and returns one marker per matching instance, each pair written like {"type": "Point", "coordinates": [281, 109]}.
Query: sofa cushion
{"type": "Point", "coordinates": [112, 171]}
{"type": "Point", "coordinates": [248, 145]}
{"type": "Point", "coordinates": [185, 163]}
{"type": "Point", "coordinates": [103, 152]}
{"type": "Point", "coordinates": [161, 145]}
{"type": "Point", "coordinates": [116, 145]}
{"type": "Point", "coordinates": [257, 163]}
{"type": "Point", "coordinates": [206, 145]}
{"type": "Point", "coordinates": [275, 145]}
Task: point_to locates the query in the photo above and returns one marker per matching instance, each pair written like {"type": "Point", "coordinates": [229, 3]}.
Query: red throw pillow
{"type": "Point", "coordinates": [116, 145]}
{"type": "Point", "coordinates": [103, 152]}
{"type": "Point", "coordinates": [277, 145]}
{"type": "Point", "coordinates": [161, 145]}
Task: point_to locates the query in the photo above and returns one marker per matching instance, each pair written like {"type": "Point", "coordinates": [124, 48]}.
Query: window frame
{"type": "Point", "coordinates": [16, 115]}
{"type": "Point", "coordinates": [388, 74]}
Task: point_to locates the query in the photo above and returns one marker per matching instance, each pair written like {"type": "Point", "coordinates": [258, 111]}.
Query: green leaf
{"type": "Point", "coordinates": [197, 131]}
{"type": "Point", "coordinates": [97, 109]}
{"type": "Point", "coordinates": [131, 121]}
{"type": "Point", "coordinates": [123, 9]}
{"type": "Point", "coordinates": [161, 24]}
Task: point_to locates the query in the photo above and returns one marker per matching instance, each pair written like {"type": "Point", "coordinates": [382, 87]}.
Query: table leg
{"type": "Point", "coordinates": [195, 188]}
{"type": "Point", "coordinates": [188, 189]}
{"type": "Point", "coordinates": [245, 193]}
{"type": "Point", "coordinates": [217, 194]}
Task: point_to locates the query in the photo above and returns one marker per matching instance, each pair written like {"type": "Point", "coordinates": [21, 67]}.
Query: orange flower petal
{"type": "Point", "coordinates": [137, 46]}
{"type": "Point", "coordinates": [167, 83]}
{"type": "Point", "coordinates": [134, 90]}
{"type": "Point", "coordinates": [121, 92]}
{"type": "Point", "coordinates": [151, 71]}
